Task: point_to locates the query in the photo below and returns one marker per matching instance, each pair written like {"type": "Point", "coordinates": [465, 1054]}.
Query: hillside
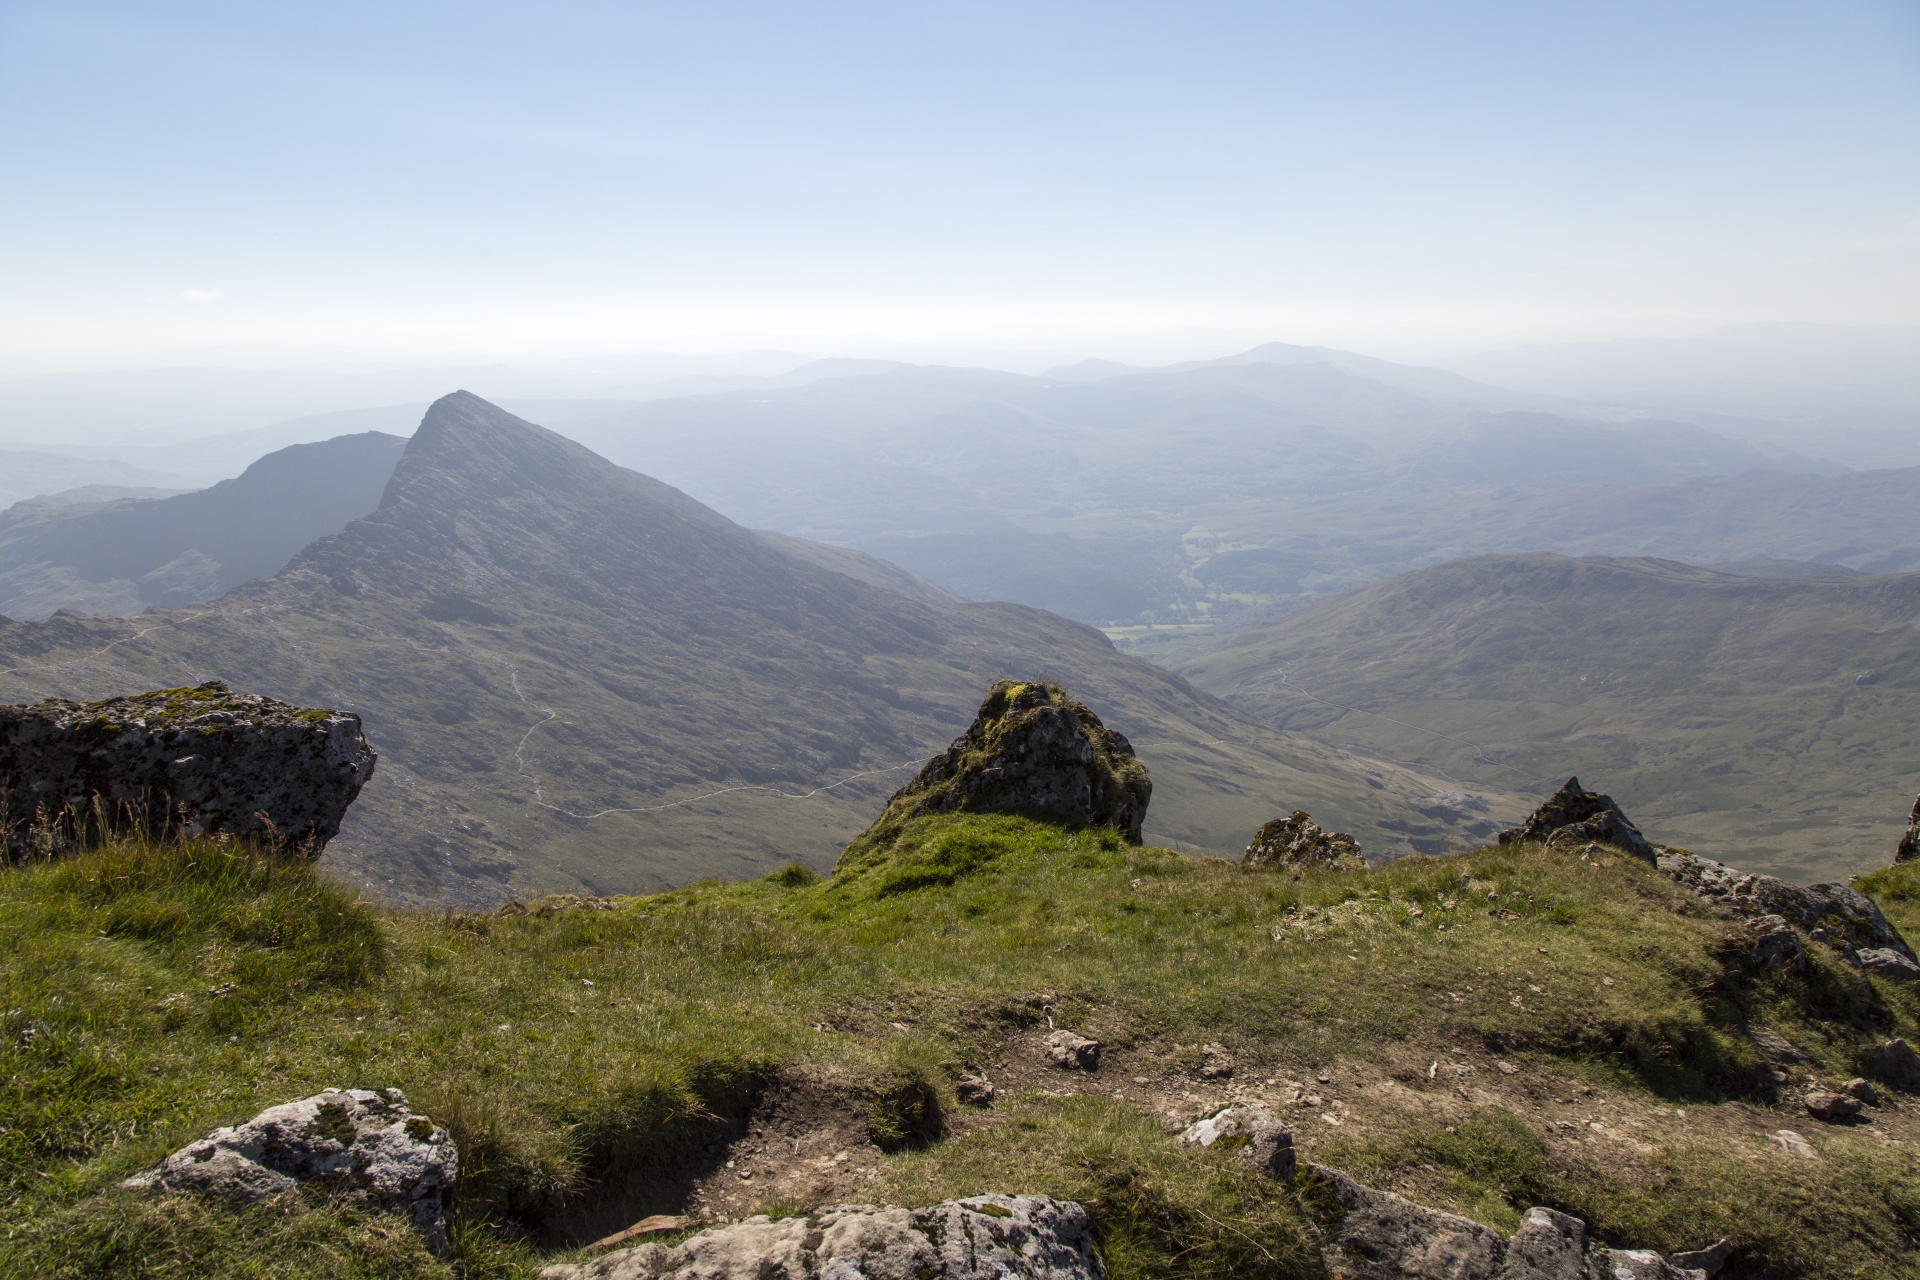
{"type": "Point", "coordinates": [119, 557]}
{"type": "Point", "coordinates": [1592, 1043]}
{"type": "Point", "coordinates": [1770, 722]}
{"type": "Point", "coordinates": [580, 678]}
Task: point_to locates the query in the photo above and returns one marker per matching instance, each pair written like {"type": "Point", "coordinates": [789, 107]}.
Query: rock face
{"type": "Point", "coordinates": [981, 1238]}
{"type": "Point", "coordinates": [1576, 814]}
{"type": "Point", "coordinates": [1909, 846]}
{"type": "Point", "coordinates": [1843, 918]}
{"type": "Point", "coordinates": [1251, 1132]}
{"type": "Point", "coordinates": [1032, 749]}
{"type": "Point", "coordinates": [198, 761]}
{"type": "Point", "coordinates": [362, 1141]}
{"type": "Point", "coordinates": [1298, 841]}
{"type": "Point", "coordinates": [1377, 1235]}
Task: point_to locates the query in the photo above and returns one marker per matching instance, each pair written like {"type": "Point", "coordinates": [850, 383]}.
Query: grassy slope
{"type": "Point", "coordinates": [1723, 712]}
{"type": "Point", "coordinates": [579, 1052]}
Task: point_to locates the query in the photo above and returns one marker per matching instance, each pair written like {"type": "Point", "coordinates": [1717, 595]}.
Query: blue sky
{"type": "Point", "coordinates": [482, 177]}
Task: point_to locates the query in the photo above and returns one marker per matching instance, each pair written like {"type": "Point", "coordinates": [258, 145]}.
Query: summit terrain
{"type": "Point", "coordinates": [580, 678]}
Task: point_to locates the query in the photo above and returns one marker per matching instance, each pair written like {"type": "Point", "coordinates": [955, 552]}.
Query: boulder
{"type": "Point", "coordinates": [1073, 1052]}
{"type": "Point", "coordinates": [1834, 1108]}
{"type": "Point", "coordinates": [1909, 847]}
{"type": "Point", "coordinates": [1298, 841]}
{"type": "Point", "coordinates": [1896, 1065]}
{"type": "Point", "coordinates": [1250, 1132]}
{"type": "Point", "coordinates": [1377, 1235]}
{"type": "Point", "coordinates": [1887, 962]}
{"type": "Point", "coordinates": [365, 1142]}
{"type": "Point", "coordinates": [1575, 815]}
{"type": "Point", "coordinates": [195, 761]}
{"type": "Point", "coordinates": [984, 1237]}
{"type": "Point", "coordinates": [1031, 750]}
{"type": "Point", "coordinates": [1843, 918]}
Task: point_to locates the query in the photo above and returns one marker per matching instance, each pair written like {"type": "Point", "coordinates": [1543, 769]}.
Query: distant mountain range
{"type": "Point", "coordinates": [578, 677]}
{"type": "Point", "coordinates": [1773, 722]}
{"type": "Point", "coordinates": [119, 556]}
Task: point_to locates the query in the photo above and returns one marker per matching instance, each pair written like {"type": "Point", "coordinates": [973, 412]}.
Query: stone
{"type": "Point", "coordinates": [1843, 917]}
{"type": "Point", "coordinates": [1888, 963]}
{"type": "Point", "coordinates": [1252, 1133]}
{"type": "Point", "coordinates": [1834, 1108]}
{"type": "Point", "coordinates": [1708, 1260]}
{"type": "Point", "coordinates": [1369, 1234]}
{"type": "Point", "coordinates": [200, 761]}
{"type": "Point", "coordinates": [1909, 846]}
{"type": "Point", "coordinates": [365, 1142]}
{"type": "Point", "coordinates": [1031, 750]}
{"type": "Point", "coordinates": [985, 1237]}
{"type": "Point", "coordinates": [1776, 1046]}
{"type": "Point", "coordinates": [1297, 841]}
{"type": "Point", "coordinates": [1214, 1063]}
{"type": "Point", "coordinates": [1774, 942]}
{"type": "Point", "coordinates": [1073, 1052]}
{"type": "Point", "coordinates": [1862, 1089]}
{"type": "Point", "coordinates": [974, 1089]}
{"type": "Point", "coordinates": [1895, 1064]}
{"type": "Point", "coordinates": [1794, 1144]}
{"type": "Point", "coordinates": [1574, 815]}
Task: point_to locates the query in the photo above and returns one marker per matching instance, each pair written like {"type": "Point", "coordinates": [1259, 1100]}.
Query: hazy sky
{"type": "Point", "coordinates": [491, 176]}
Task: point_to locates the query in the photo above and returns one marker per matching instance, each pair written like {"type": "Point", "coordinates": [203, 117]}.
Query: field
{"type": "Point", "coordinates": [1482, 1032]}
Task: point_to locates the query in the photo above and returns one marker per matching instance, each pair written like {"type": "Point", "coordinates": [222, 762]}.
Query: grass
{"type": "Point", "coordinates": [151, 993]}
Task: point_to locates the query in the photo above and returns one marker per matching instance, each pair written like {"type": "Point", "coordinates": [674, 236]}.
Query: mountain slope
{"type": "Point", "coordinates": [121, 557]}
{"type": "Point", "coordinates": [578, 677]}
{"type": "Point", "coordinates": [1772, 722]}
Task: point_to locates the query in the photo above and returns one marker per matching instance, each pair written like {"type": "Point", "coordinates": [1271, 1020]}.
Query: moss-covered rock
{"type": "Point", "coordinates": [195, 761]}
{"type": "Point", "coordinates": [1031, 750]}
{"type": "Point", "coordinates": [1298, 841]}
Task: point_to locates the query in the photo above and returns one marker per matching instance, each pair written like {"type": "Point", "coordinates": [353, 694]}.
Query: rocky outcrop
{"type": "Point", "coordinates": [980, 1238]}
{"type": "Point", "coordinates": [1031, 750]}
{"type": "Point", "coordinates": [1250, 1132]}
{"type": "Point", "coordinates": [1574, 814]}
{"type": "Point", "coordinates": [1377, 1235]}
{"type": "Point", "coordinates": [364, 1142]}
{"type": "Point", "coordinates": [1843, 918]}
{"type": "Point", "coordinates": [1909, 847]}
{"type": "Point", "coordinates": [194, 761]}
{"type": "Point", "coordinates": [1297, 841]}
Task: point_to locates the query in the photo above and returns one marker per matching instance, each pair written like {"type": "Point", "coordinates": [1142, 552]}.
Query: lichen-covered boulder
{"type": "Point", "coordinates": [365, 1142]}
{"type": "Point", "coordinates": [1575, 814]}
{"type": "Point", "coordinates": [1031, 750]}
{"type": "Point", "coordinates": [988, 1237]}
{"type": "Point", "coordinates": [193, 761]}
{"type": "Point", "coordinates": [1298, 841]}
{"type": "Point", "coordinates": [1843, 918]}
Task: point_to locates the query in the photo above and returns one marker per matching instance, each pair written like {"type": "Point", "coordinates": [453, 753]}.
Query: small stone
{"type": "Point", "coordinates": [1794, 1145]}
{"type": "Point", "coordinates": [1254, 1133]}
{"type": "Point", "coordinates": [1861, 1089]}
{"type": "Point", "coordinates": [1073, 1052]}
{"type": "Point", "coordinates": [1214, 1063]}
{"type": "Point", "coordinates": [974, 1089]}
{"type": "Point", "coordinates": [1834, 1108]}
{"type": "Point", "coordinates": [1709, 1259]}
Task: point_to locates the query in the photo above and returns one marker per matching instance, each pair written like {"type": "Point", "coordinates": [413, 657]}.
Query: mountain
{"type": "Point", "coordinates": [121, 556]}
{"type": "Point", "coordinates": [579, 677]}
{"type": "Point", "coordinates": [1081, 492]}
{"type": "Point", "coordinates": [1772, 722]}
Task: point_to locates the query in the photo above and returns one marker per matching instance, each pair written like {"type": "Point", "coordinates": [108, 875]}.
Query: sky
{"type": "Point", "coordinates": [467, 180]}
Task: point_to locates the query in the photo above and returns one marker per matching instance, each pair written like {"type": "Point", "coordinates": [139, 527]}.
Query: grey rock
{"type": "Point", "coordinates": [1844, 918]}
{"type": "Point", "coordinates": [1795, 1144]}
{"type": "Point", "coordinates": [1575, 815]}
{"type": "Point", "coordinates": [1774, 942]}
{"type": "Point", "coordinates": [1072, 1051]}
{"type": "Point", "coordinates": [1895, 1064]}
{"type": "Point", "coordinates": [1887, 962]}
{"type": "Point", "coordinates": [1909, 846]}
{"type": "Point", "coordinates": [1776, 1046]}
{"type": "Point", "coordinates": [365, 1142]}
{"type": "Point", "coordinates": [1707, 1261]}
{"type": "Point", "coordinates": [1834, 1108]}
{"type": "Point", "coordinates": [988, 1237]}
{"type": "Point", "coordinates": [192, 761]}
{"type": "Point", "coordinates": [1215, 1064]}
{"type": "Point", "coordinates": [1251, 1132]}
{"type": "Point", "coordinates": [974, 1089]}
{"type": "Point", "coordinates": [1298, 841]}
{"type": "Point", "coordinates": [1377, 1235]}
{"type": "Point", "coordinates": [1031, 749]}
{"type": "Point", "coordinates": [1862, 1089]}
